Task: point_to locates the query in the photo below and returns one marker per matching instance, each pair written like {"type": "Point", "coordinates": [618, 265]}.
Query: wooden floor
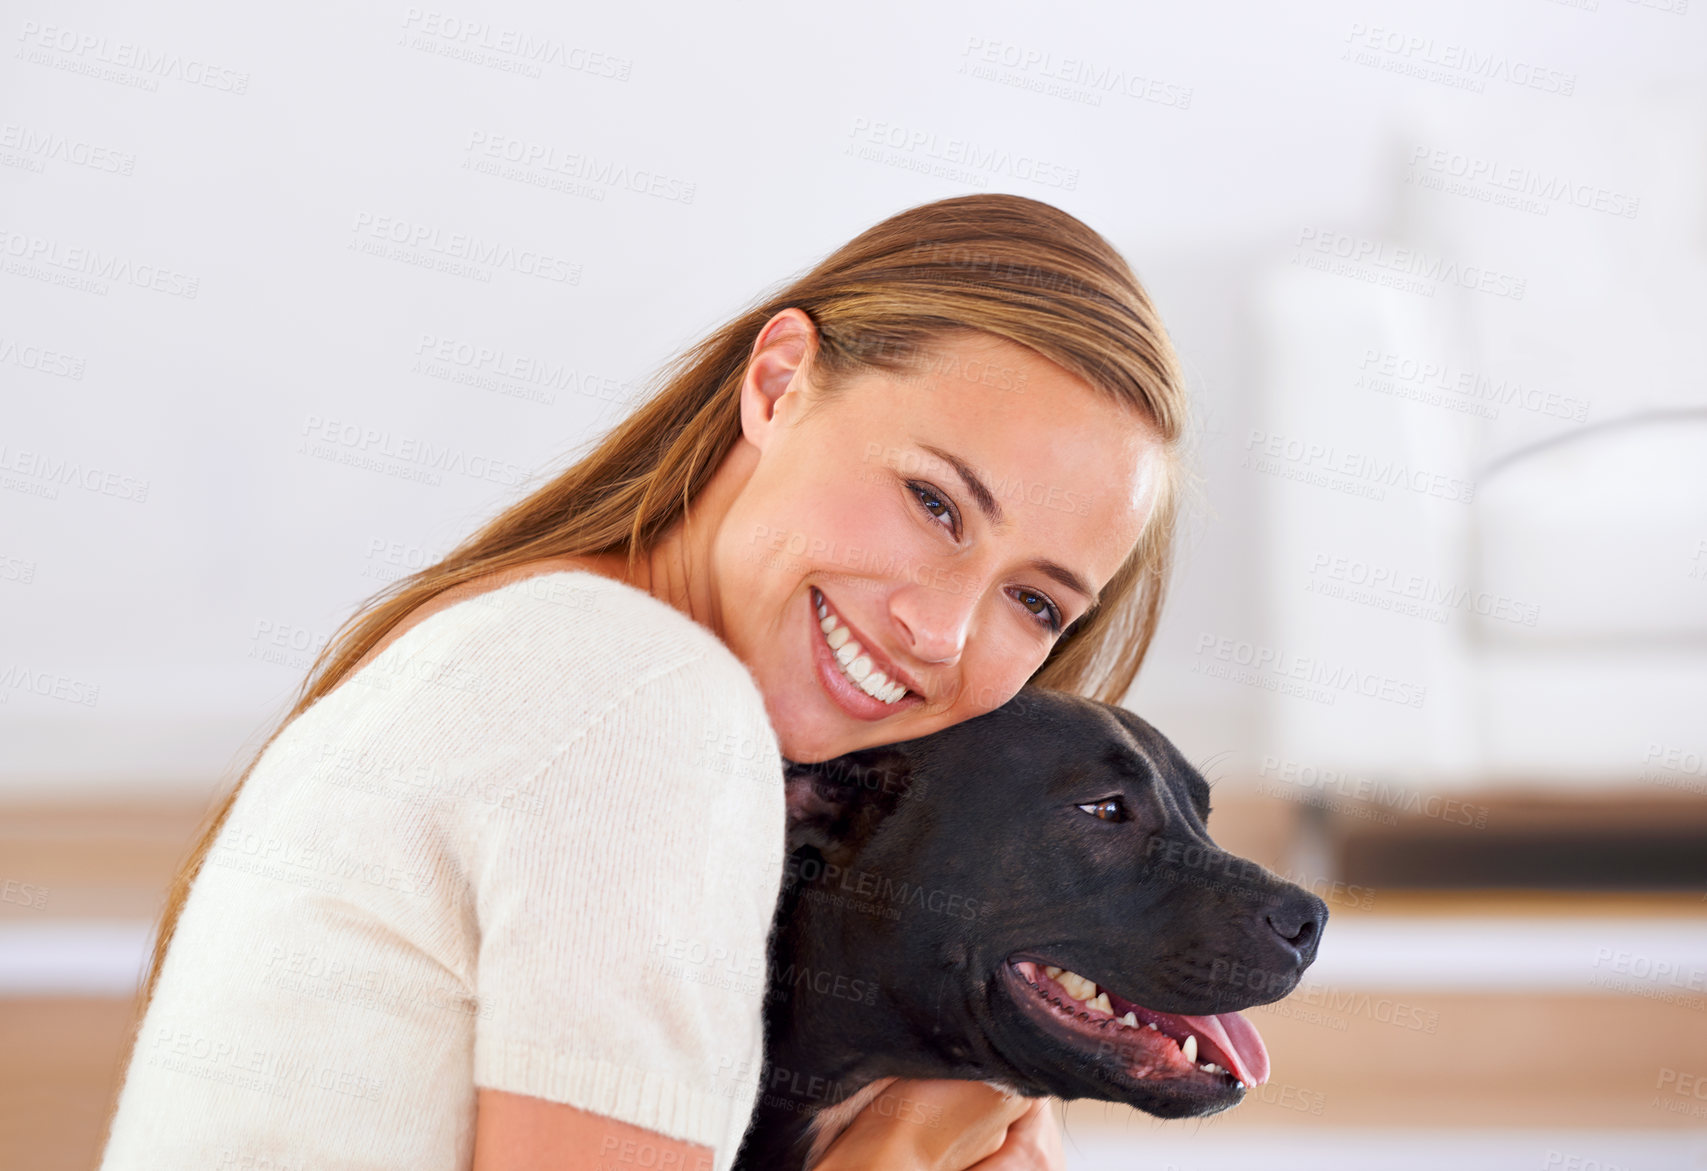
{"type": "Point", "coordinates": [1555, 1061]}
{"type": "Point", "coordinates": [59, 1065]}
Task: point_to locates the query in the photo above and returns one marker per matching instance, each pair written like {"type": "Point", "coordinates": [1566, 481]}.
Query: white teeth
{"type": "Point", "coordinates": [1076, 985]}
{"type": "Point", "coordinates": [1211, 1067]}
{"type": "Point", "coordinates": [856, 665]}
{"type": "Point", "coordinates": [1152, 1026]}
{"type": "Point", "coordinates": [1101, 1002]}
{"type": "Point", "coordinates": [1190, 1047]}
{"type": "Point", "coordinates": [1131, 1019]}
{"type": "Point", "coordinates": [1052, 972]}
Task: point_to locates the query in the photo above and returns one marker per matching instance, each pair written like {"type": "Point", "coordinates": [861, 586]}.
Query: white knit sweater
{"type": "Point", "coordinates": [534, 845]}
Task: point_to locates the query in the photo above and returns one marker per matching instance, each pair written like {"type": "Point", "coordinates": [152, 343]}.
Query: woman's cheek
{"type": "Point", "coordinates": [887, 548]}
{"type": "Point", "coordinates": [996, 673]}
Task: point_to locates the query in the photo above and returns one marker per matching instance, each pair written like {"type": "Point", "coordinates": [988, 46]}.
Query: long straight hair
{"type": "Point", "coordinates": [1003, 265]}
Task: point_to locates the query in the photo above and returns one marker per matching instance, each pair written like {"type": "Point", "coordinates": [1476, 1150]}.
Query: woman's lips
{"type": "Point", "coordinates": [846, 694]}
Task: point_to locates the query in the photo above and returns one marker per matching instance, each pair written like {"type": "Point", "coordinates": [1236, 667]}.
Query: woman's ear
{"type": "Point", "coordinates": [784, 348]}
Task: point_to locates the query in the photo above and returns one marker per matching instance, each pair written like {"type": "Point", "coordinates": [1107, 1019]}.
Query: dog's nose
{"type": "Point", "coordinates": [1298, 919]}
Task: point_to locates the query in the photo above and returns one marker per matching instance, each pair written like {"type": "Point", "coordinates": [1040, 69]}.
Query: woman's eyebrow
{"type": "Point", "coordinates": [992, 508]}
{"type": "Point", "coordinates": [1065, 576]}
{"type": "Point", "coordinates": [981, 495]}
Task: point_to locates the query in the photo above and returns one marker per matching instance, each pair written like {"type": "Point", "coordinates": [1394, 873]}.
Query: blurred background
{"type": "Point", "coordinates": [290, 301]}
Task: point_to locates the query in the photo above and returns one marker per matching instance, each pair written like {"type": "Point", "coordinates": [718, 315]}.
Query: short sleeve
{"type": "Point", "coordinates": [623, 916]}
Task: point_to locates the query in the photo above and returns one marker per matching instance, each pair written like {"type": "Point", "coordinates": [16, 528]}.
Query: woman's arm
{"type": "Point", "coordinates": [513, 1132]}
{"type": "Point", "coordinates": [622, 905]}
{"type": "Point", "coordinates": [974, 1127]}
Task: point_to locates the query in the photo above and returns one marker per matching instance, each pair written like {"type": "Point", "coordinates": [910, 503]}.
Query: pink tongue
{"type": "Point", "coordinates": [1238, 1039]}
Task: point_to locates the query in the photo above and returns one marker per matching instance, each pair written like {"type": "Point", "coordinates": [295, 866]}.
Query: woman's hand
{"type": "Point", "coordinates": [943, 1125]}
{"type": "Point", "coordinates": [1033, 1142]}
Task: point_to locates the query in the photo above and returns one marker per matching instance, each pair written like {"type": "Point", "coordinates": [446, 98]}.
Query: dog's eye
{"type": "Point", "coordinates": [1108, 809]}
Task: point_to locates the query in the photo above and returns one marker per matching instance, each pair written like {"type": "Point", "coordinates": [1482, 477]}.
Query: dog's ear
{"type": "Point", "coordinates": [818, 809]}
{"type": "Point", "coordinates": [833, 804]}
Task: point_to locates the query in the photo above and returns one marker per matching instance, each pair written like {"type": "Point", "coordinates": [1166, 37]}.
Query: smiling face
{"type": "Point", "coordinates": [906, 550]}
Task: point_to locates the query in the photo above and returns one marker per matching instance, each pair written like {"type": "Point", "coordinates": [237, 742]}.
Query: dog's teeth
{"type": "Point", "coordinates": [1130, 1018]}
{"type": "Point", "coordinates": [1211, 1067]}
{"type": "Point", "coordinates": [1076, 985]}
{"type": "Point", "coordinates": [1101, 1002]}
{"type": "Point", "coordinates": [1052, 971]}
{"type": "Point", "coordinates": [1190, 1047]}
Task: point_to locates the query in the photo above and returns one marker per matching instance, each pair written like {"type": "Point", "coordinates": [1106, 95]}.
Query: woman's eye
{"type": "Point", "coordinates": [1047, 612]}
{"type": "Point", "coordinates": [1108, 809]}
{"type": "Point", "coordinates": [936, 504]}
{"type": "Point", "coordinates": [1041, 606]}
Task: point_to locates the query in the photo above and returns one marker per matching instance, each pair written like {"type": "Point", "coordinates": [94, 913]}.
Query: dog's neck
{"type": "Point", "coordinates": [826, 1014]}
{"type": "Point", "coordinates": [828, 1055]}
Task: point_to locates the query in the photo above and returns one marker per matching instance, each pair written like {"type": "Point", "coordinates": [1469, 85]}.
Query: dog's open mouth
{"type": "Point", "coordinates": [1224, 1048]}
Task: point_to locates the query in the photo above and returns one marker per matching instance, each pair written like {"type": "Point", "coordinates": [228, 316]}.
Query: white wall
{"type": "Point", "coordinates": [202, 522]}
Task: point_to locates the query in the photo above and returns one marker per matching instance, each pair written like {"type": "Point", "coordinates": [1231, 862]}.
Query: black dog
{"type": "Point", "coordinates": [1027, 898]}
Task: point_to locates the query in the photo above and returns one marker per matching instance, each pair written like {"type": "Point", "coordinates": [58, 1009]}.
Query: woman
{"type": "Point", "coordinates": [497, 892]}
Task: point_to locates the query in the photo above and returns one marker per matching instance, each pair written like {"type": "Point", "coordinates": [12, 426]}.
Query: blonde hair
{"type": "Point", "coordinates": [999, 264]}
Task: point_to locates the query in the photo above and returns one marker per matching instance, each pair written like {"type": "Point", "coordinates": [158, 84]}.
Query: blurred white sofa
{"type": "Point", "coordinates": [1515, 363]}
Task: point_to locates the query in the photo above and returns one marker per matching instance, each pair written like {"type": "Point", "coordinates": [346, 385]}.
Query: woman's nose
{"type": "Point", "coordinates": [933, 621]}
